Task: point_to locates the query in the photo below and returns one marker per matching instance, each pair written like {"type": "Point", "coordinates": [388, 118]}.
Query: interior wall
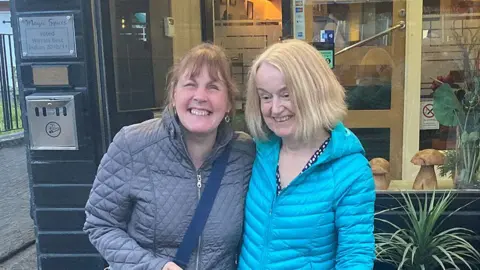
{"type": "Point", "coordinates": [267, 10]}
{"type": "Point", "coordinates": [237, 9]}
{"type": "Point", "coordinates": [188, 30]}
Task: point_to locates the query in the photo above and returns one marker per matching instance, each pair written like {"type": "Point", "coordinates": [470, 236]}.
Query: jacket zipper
{"type": "Point", "coordinates": [269, 221]}
{"type": "Point", "coordinates": [199, 189]}
{"type": "Point", "coordinates": [267, 236]}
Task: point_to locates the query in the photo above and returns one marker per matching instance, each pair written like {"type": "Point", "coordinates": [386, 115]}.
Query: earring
{"type": "Point", "coordinates": [227, 118]}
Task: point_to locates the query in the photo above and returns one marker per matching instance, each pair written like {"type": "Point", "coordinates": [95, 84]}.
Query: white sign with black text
{"type": "Point", "coordinates": [427, 116]}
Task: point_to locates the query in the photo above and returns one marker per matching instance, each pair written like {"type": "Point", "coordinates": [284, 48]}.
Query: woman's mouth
{"type": "Point", "coordinates": [282, 119]}
{"type": "Point", "coordinates": [199, 112]}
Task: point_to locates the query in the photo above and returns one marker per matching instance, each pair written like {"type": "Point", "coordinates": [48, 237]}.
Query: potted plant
{"type": "Point", "coordinates": [421, 243]}
{"type": "Point", "coordinates": [460, 108]}
{"type": "Point", "coordinates": [457, 104]}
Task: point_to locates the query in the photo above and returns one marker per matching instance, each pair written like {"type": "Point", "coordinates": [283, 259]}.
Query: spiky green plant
{"type": "Point", "coordinates": [422, 244]}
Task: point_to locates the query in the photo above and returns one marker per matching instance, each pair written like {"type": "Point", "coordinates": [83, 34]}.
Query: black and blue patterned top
{"type": "Point", "coordinates": [309, 163]}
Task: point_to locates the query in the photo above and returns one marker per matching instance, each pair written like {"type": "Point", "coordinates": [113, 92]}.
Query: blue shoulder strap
{"type": "Point", "coordinates": [202, 211]}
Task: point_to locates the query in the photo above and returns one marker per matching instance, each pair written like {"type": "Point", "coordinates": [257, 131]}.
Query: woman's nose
{"type": "Point", "coordinates": [277, 106]}
{"type": "Point", "coordinates": [200, 94]}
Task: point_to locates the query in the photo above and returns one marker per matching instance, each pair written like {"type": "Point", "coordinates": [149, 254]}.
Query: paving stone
{"type": "Point", "coordinates": [25, 260]}
{"type": "Point", "coordinates": [16, 225]}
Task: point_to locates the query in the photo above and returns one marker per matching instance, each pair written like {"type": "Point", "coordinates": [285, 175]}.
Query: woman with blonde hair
{"type": "Point", "coordinates": [169, 193]}
{"type": "Point", "coordinates": [310, 203]}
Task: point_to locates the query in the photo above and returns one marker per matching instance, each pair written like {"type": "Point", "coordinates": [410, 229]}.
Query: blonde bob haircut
{"type": "Point", "coordinates": [318, 98]}
{"type": "Point", "coordinates": [207, 55]}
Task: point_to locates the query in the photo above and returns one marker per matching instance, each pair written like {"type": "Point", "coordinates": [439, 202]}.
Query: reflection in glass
{"type": "Point", "coordinates": [134, 83]}
{"type": "Point", "coordinates": [373, 82]}
{"type": "Point", "coordinates": [364, 71]}
{"type": "Point", "coordinates": [245, 30]}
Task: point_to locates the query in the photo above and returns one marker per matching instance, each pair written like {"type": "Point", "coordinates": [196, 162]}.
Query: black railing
{"type": "Point", "coordinates": [10, 113]}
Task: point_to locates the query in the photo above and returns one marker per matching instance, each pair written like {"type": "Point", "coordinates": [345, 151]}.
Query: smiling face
{"type": "Point", "coordinates": [201, 102]}
{"type": "Point", "coordinates": [275, 101]}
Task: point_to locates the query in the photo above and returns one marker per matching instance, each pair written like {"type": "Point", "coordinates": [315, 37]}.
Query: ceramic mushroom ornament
{"type": "Point", "coordinates": [427, 159]}
{"type": "Point", "coordinates": [380, 169]}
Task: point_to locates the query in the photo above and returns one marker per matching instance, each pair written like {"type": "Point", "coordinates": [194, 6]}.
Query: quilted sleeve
{"type": "Point", "coordinates": [108, 210]}
{"type": "Point", "coordinates": [354, 220]}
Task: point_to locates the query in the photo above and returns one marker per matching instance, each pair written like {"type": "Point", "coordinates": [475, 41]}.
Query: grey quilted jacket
{"type": "Point", "coordinates": [146, 191]}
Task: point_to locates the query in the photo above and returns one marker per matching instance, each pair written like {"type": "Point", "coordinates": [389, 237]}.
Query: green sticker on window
{"type": "Point", "coordinates": [328, 55]}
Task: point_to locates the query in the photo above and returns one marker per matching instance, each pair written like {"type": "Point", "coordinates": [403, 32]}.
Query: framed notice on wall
{"type": "Point", "coordinates": [299, 17]}
{"type": "Point", "coordinates": [47, 36]}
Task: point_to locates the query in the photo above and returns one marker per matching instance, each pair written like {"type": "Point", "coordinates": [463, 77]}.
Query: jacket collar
{"type": "Point", "coordinates": [342, 143]}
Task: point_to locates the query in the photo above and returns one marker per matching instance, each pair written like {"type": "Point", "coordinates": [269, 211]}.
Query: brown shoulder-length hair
{"type": "Point", "coordinates": [207, 55]}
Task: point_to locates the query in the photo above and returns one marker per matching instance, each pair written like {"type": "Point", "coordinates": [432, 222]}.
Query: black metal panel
{"type": "Point", "coordinates": [54, 196]}
{"type": "Point", "coordinates": [60, 181]}
{"type": "Point", "coordinates": [72, 262]}
{"type": "Point", "coordinates": [65, 243]}
{"type": "Point", "coordinates": [287, 23]}
{"type": "Point", "coordinates": [71, 220]}
{"type": "Point", "coordinates": [206, 15]}
{"type": "Point", "coordinates": [74, 172]}
{"type": "Point", "coordinates": [45, 5]}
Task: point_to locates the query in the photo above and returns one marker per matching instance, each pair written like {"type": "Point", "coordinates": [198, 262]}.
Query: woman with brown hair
{"type": "Point", "coordinates": [169, 193]}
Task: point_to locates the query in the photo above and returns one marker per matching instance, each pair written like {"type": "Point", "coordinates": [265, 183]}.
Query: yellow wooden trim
{"type": "Point", "coordinates": [413, 69]}
{"type": "Point", "coordinates": [355, 19]}
{"type": "Point", "coordinates": [398, 92]}
{"type": "Point", "coordinates": [408, 184]}
{"type": "Point", "coordinates": [308, 15]}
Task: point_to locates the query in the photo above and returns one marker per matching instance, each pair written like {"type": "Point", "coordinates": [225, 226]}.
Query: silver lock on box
{"type": "Point", "coordinates": [54, 120]}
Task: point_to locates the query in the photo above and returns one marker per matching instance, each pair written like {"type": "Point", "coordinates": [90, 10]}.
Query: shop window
{"type": "Point", "coordinates": [369, 62]}
{"type": "Point", "coordinates": [148, 36]}
{"type": "Point", "coordinates": [376, 141]}
{"type": "Point", "coordinates": [373, 72]}
{"type": "Point", "coordinates": [450, 82]}
{"type": "Point", "coordinates": [132, 56]}
{"type": "Point", "coordinates": [245, 28]}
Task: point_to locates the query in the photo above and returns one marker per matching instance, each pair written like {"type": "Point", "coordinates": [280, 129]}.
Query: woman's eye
{"type": "Point", "coordinates": [264, 97]}
{"type": "Point", "coordinates": [214, 87]}
{"type": "Point", "coordinates": [286, 95]}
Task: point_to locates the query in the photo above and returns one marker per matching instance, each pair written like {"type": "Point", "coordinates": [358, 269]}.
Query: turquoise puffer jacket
{"type": "Point", "coordinates": [322, 220]}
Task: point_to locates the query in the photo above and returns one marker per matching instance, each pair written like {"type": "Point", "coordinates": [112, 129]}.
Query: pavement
{"type": "Point", "coordinates": [16, 225]}
{"type": "Point", "coordinates": [25, 260]}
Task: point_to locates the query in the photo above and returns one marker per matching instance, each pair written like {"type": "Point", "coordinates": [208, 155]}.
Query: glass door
{"type": "Point", "coordinates": [369, 61]}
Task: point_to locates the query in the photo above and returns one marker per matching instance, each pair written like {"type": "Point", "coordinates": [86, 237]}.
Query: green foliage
{"type": "Point", "coordinates": [449, 167]}
{"type": "Point", "coordinates": [446, 106]}
{"type": "Point", "coordinates": [422, 244]}
{"type": "Point", "coordinates": [465, 115]}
